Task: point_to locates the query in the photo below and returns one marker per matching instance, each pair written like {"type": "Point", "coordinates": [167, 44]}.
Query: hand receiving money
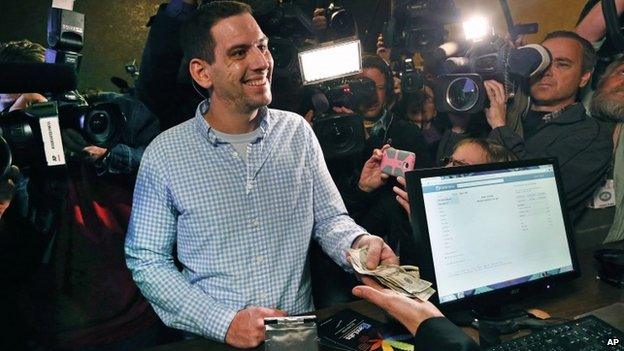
{"type": "Point", "coordinates": [402, 279]}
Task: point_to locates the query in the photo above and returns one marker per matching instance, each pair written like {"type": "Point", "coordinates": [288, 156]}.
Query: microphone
{"type": "Point", "coordinates": [529, 61]}
{"type": "Point", "coordinates": [37, 78]}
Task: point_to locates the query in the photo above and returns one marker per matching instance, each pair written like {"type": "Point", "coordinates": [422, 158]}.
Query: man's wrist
{"type": "Point", "coordinates": [355, 242]}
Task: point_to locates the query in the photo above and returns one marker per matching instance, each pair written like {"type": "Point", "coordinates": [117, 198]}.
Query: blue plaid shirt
{"type": "Point", "coordinates": [241, 229]}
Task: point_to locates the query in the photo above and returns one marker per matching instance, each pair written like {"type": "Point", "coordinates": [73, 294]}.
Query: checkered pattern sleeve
{"type": "Point", "coordinates": [149, 245]}
{"type": "Point", "coordinates": [333, 228]}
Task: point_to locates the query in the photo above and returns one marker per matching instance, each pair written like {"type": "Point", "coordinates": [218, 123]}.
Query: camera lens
{"type": "Point", "coordinates": [98, 123]}
{"type": "Point", "coordinates": [462, 94]}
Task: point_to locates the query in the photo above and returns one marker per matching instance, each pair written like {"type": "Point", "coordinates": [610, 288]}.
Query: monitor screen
{"type": "Point", "coordinates": [492, 227]}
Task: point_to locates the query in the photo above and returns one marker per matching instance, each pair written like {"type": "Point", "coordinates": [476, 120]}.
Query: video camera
{"type": "Point", "coordinates": [418, 25]}
{"type": "Point", "coordinates": [30, 138]}
{"type": "Point", "coordinates": [460, 87]}
{"type": "Point", "coordinates": [340, 23]}
{"type": "Point", "coordinates": [328, 70]}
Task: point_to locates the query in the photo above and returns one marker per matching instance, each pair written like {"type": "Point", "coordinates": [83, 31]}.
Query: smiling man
{"type": "Point", "coordinates": [239, 191]}
{"type": "Point", "coordinates": [556, 124]}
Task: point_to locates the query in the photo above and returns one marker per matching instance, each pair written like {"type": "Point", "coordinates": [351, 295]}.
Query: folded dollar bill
{"type": "Point", "coordinates": [403, 279]}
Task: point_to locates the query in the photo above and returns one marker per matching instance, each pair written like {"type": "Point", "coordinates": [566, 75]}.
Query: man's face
{"type": "Point", "coordinates": [373, 110]}
{"type": "Point", "coordinates": [608, 101]}
{"type": "Point", "coordinates": [614, 83]}
{"type": "Point", "coordinates": [562, 80]}
{"type": "Point", "coordinates": [468, 154]}
{"type": "Point", "coordinates": [242, 69]}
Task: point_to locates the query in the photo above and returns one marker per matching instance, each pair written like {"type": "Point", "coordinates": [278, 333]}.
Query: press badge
{"type": "Point", "coordinates": [605, 196]}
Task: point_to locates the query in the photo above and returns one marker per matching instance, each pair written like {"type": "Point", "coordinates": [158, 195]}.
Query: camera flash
{"type": "Point", "coordinates": [477, 28]}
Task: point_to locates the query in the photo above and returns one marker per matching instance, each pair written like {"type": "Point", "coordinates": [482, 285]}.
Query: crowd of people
{"type": "Point", "coordinates": [214, 210]}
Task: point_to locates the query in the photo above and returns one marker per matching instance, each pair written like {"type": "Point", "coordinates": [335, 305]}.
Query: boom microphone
{"type": "Point", "coordinates": [37, 78]}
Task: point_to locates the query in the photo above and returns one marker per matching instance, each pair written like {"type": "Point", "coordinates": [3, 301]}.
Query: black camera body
{"type": "Point", "coordinates": [31, 138]}
{"type": "Point", "coordinates": [461, 90]}
{"type": "Point", "coordinates": [340, 22]}
{"type": "Point", "coordinates": [342, 135]}
{"type": "Point", "coordinates": [418, 25]}
{"type": "Point", "coordinates": [100, 124]}
{"type": "Point", "coordinates": [349, 92]}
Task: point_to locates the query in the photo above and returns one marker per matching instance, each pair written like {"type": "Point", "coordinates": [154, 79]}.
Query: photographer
{"type": "Point", "coordinates": [64, 231]}
{"type": "Point", "coordinates": [556, 124]}
{"type": "Point", "coordinates": [163, 84]}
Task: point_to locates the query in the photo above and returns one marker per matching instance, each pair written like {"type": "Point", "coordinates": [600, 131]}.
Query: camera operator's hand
{"type": "Point", "coordinates": [371, 177]}
{"type": "Point", "coordinates": [382, 50]}
{"type": "Point", "coordinates": [343, 110]}
{"type": "Point", "coordinates": [94, 153]}
{"type": "Point", "coordinates": [319, 20]}
{"type": "Point", "coordinates": [26, 100]}
{"type": "Point", "coordinates": [497, 113]}
{"type": "Point", "coordinates": [7, 187]}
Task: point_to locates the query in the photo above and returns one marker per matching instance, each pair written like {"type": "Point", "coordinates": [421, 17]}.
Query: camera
{"type": "Point", "coordinates": [100, 123]}
{"type": "Point", "coordinates": [418, 25]}
{"type": "Point", "coordinates": [340, 23]}
{"type": "Point", "coordinates": [342, 135]}
{"type": "Point", "coordinates": [31, 138]}
{"type": "Point", "coordinates": [412, 79]}
{"type": "Point", "coordinates": [460, 88]}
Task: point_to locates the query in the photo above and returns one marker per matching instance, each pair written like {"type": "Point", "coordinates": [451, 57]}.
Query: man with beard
{"type": "Point", "coordinates": [608, 105]}
{"type": "Point", "coordinates": [556, 124]}
{"type": "Point", "coordinates": [240, 191]}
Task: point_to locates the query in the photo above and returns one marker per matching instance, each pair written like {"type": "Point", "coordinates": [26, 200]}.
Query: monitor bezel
{"type": "Point", "coordinates": [423, 243]}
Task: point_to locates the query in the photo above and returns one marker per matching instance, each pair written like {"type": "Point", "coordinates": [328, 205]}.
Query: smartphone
{"type": "Point", "coordinates": [396, 162]}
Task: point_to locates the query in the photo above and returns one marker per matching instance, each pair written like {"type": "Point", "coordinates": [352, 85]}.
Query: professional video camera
{"type": "Point", "coordinates": [31, 138]}
{"type": "Point", "coordinates": [328, 70]}
{"type": "Point", "coordinates": [464, 66]}
{"type": "Point", "coordinates": [340, 23]}
{"type": "Point", "coordinates": [418, 25]}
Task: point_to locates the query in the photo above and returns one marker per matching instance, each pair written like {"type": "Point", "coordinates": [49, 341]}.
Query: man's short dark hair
{"type": "Point", "coordinates": [589, 53]}
{"type": "Point", "coordinates": [22, 51]}
{"type": "Point", "coordinates": [374, 61]}
{"type": "Point", "coordinates": [196, 38]}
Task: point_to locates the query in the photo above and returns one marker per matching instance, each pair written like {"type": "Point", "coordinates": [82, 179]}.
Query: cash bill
{"type": "Point", "coordinates": [403, 279]}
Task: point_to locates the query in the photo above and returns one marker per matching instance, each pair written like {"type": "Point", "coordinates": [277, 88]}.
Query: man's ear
{"type": "Point", "coordinates": [201, 73]}
{"type": "Point", "coordinates": [585, 79]}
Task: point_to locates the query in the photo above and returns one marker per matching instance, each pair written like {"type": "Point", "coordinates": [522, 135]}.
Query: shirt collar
{"type": "Point", "coordinates": [207, 131]}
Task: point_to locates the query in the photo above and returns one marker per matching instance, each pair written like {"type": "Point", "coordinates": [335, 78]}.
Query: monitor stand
{"type": "Point", "coordinates": [497, 314]}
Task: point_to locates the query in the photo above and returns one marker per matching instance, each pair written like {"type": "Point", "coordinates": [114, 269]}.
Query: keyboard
{"type": "Point", "coordinates": [585, 334]}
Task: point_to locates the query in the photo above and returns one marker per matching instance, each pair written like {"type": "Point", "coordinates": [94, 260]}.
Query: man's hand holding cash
{"type": "Point", "coordinates": [405, 280]}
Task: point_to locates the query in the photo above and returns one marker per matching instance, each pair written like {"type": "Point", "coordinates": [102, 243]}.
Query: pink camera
{"type": "Point", "coordinates": [396, 162]}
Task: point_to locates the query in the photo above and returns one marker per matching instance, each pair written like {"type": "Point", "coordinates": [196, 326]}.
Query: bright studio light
{"type": "Point", "coordinates": [477, 28]}
{"type": "Point", "coordinates": [330, 61]}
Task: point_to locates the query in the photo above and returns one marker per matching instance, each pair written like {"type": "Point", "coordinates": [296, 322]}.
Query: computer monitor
{"type": "Point", "coordinates": [490, 231]}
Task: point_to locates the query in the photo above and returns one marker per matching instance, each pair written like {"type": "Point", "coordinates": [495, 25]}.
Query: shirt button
{"type": "Point", "coordinates": [234, 154]}
{"type": "Point", "coordinates": [264, 295]}
{"type": "Point", "coordinates": [249, 187]}
{"type": "Point", "coordinates": [255, 223]}
{"type": "Point", "coordinates": [260, 259]}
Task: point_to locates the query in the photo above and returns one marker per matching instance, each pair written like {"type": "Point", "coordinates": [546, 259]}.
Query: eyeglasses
{"type": "Point", "coordinates": [449, 161]}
